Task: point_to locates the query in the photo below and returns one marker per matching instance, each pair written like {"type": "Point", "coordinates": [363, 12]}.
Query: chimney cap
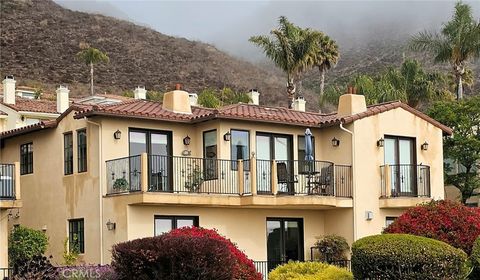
{"type": "Point", "coordinates": [178, 86]}
{"type": "Point", "coordinates": [9, 77]}
{"type": "Point", "coordinates": [141, 87]}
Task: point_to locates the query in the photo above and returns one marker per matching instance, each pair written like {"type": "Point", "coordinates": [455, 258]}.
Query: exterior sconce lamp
{"type": "Point", "coordinates": [424, 146]}
{"type": "Point", "coordinates": [380, 142]}
{"type": "Point", "coordinates": [111, 225]}
{"type": "Point", "coordinates": [227, 136]}
{"type": "Point", "coordinates": [117, 134]}
{"type": "Point", "coordinates": [186, 140]}
{"type": "Point", "coordinates": [335, 142]}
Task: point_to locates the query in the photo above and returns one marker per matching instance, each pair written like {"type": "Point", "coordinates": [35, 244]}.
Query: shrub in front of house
{"type": "Point", "coordinates": [309, 271]}
{"type": "Point", "coordinates": [25, 243]}
{"type": "Point", "coordinates": [187, 253]}
{"type": "Point", "coordinates": [443, 220]}
{"type": "Point", "coordinates": [475, 259]}
{"type": "Point", "coordinates": [404, 256]}
{"type": "Point", "coordinates": [332, 247]}
{"type": "Point", "coordinates": [36, 267]}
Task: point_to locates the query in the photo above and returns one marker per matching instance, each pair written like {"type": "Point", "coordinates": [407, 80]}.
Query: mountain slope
{"type": "Point", "coordinates": [41, 39]}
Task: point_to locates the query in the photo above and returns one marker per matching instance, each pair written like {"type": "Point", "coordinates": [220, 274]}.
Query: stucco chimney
{"type": "Point", "coordinates": [62, 99]}
{"type": "Point", "coordinates": [299, 104]}
{"type": "Point", "coordinates": [193, 99]}
{"type": "Point", "coordinates": [177, 101]}
{"type": "Point", "coordinates": [140, 93]}
{"type": "Point", "coordinates": [254, 96]}
{"type": "Point", "coordinates": [9, 90]}
{"type": "Point", "coordinates": [351, 103]}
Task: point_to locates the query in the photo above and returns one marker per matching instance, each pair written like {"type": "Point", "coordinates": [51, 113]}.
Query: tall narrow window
{"type": "Point", "coordinates": [68, 153]}
{"type": "Point", "coordinates": [210, 154]}
{"type": "Point", "coordinates": [26, 158]}
{"type": "Point", "coordinates": [82, 150]}
{"type": "Point", "coordinates": [76, 235]}
{"type": "Point", "coordinates": [303, 166]}
{"type": "Point", "coordinates": [240, 147]}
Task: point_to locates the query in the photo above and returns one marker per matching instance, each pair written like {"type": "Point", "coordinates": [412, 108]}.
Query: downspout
{"type": "Point", "coordinates": [100, 188]}
{"type": "Point", "coordinates": [354, 181]}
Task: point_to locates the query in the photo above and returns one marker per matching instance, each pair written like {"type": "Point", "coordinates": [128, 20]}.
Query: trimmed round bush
{"type": "Point", "coordinates": [332, 247]}
{"type": "Point", "coordinates": [187, 253]}
{"type": "Point", "coordinates": [25, 243]}
{"type": "Point", "coordinates": [404, 256]}
{"type": "Point", "coordinates": [475, 259]}
{"type": "Point", "coordinates": [443, 220]}
{"type": "Point", "coordinates": [309, 271]}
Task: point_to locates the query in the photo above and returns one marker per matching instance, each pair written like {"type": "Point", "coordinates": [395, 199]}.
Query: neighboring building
{"type": "Point", "coordinates": [111, 173]}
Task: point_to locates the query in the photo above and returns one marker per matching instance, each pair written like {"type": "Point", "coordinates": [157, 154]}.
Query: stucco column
{"type": "Point", "coordinates": [273, 177]}
{"type": "Point", "coordinates": [144, 172]}
{"type": "Point", "coordinates": [18, 194]}
{"type": "Point", "coordinates": [388, 180]}
{"type": "Point", "coordinates": [240, 180]}
{"type": "Point", "coordinates": [253, 175]}
{"type": "Point", "coordinates": [3, 238]}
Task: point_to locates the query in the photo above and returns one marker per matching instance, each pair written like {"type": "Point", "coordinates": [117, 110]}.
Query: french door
{"type": "Point", "coordinates": [157, 144]}
{"type": "Point", "coordinates": [274, 147]}
{"type": "Point", "coordinates": [284, 240]}
{"type": "Point", "coordinates": [400, 155]}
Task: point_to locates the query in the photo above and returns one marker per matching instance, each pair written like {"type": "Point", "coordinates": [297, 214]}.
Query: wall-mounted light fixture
{"type": "Point", "coordinates": [227, 136]}
{"type": "Point", "coordinates": [380, 142]}
{"type": "Point", "coordinates": [335, 142]}
{"type": "Point", "coordinates": [117, 134]}
{"type": "Point", "coordinates": [186, 140]}
{"type": "Point", "coordinates": [111, 225]}
{"type": "Point", "coordinates": [368, 215]}
{"type": "Point", "coordinates": [424, 146]}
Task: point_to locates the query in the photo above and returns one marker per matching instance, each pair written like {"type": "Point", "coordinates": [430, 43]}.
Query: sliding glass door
{"type": "Point", "coordinates": [284, 240]}
{"type": "Point", "coordinates": [400, 155]}
{"type": "Point", "coordinates": [157, 145]}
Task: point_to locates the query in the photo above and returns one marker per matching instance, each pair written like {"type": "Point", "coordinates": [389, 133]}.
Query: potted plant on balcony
{"type": "Point", "coordinates": [120, 184]}
{"type": "Point", "coordinates": [194, 179]}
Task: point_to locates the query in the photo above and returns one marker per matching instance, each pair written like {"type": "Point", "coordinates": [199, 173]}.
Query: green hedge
{"type": "Point", "coordinates": [404, 256]}
{"type": "Point", "coordinates": [309, 271]}
{"type": "Point", "coordinates": [25, 243]}
{"type": "Point", "coordinates": [475, 259]}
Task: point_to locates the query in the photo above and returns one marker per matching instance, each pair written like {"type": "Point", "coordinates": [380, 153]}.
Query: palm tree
{"type": "Point", "coordinates": [326, 57]}
{"type": "Point", "coordinates": [290, 48]}
{"type": "Point", "coordinates": [92, 56]}
{"type": "Point", "coordinates": [458, 42]}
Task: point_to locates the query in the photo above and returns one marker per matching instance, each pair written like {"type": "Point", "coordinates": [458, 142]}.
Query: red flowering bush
{"type": "Point", "coordinates": [443, 220]}
{"type": "Point", "coordinates": [244, 268]}
{"type": "Point", "coordinates": [182, 254]}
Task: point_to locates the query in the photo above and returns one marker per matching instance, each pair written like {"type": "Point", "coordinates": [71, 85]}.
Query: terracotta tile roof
{"type": "Point", "coordinates": [33, 105]}
{"type": "Point", "coordinates": [153, 110]}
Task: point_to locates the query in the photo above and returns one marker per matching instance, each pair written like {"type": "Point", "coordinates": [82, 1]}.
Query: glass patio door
{"type": "Point", "coordinates": [284, 240]}
{"type": "Point", "coordinates": [273, 147]}
{"type": "Point", "coordinates": [400, 155]}
{"type": "Point", "coordinates": [157, 145]}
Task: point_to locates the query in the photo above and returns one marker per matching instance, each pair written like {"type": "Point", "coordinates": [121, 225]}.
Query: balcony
{"type": "Point", "coordinates": [404, 185]}
{"type": "Point", "coordinates": [9, 185]}
{"type": "Point", "coordinates": [226, 182]}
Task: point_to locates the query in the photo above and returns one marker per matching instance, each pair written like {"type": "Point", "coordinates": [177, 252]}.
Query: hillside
{"type": "Point", "coordinates": [39, 40]}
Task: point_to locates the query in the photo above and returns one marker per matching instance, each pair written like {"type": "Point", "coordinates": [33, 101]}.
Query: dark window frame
{"type": "Point", "coordinates": [210, 160]}
{"type": "Point", "coordinates": [82, 151]}
{"type": "Point", "coordinates": [68, 153]}
{"type": "Point", "coordinates": [77, 226]}
{"type": "Point", "coordinates": [246, 166]}
{"type": "Point", "coordinates": [301, 223]}
{"type": "Point", "coordinates": [174, 220]}
{"type": "Point", "coordinates": [26, 158]}
{"type": "Point", "coordinates": [390, 219]}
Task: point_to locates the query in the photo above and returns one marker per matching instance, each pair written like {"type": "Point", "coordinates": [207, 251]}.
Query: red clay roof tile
{"type": "Point", "coordinates": [33, 105]}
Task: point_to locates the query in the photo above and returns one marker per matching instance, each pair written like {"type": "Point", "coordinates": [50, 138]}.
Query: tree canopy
{"type": "Point", "coordinates": [212, 98]}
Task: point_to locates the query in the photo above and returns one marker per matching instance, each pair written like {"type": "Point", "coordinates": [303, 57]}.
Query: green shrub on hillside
{"type": "Point", "coordinates": [309, 271]}
{"type": "Point", "coordinates": [403, 256]}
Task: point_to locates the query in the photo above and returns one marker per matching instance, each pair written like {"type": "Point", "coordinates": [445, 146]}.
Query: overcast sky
{"type": "Point", "coordinates": [229, 24]}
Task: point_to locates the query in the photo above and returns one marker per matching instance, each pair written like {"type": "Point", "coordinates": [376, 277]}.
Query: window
{"type": "Point", "coordinates": [26, 158]}
{"type": "Point", "coordinates": [165, 224]}
{"type": "Point", "coordinates": [210, 154]}
{"type": "Point", "coordinates": [303, 166]}
{"type": "Point", "coordinates": [68, 153]}
{"type": "Point", "coordinates": [240, 147]}
{"type": "Point", "coordinates": [82, 150]}
{"type": "Point", "coordinates": [76, 237]}
{"type": "Point", "coordinates": [389, 221]}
